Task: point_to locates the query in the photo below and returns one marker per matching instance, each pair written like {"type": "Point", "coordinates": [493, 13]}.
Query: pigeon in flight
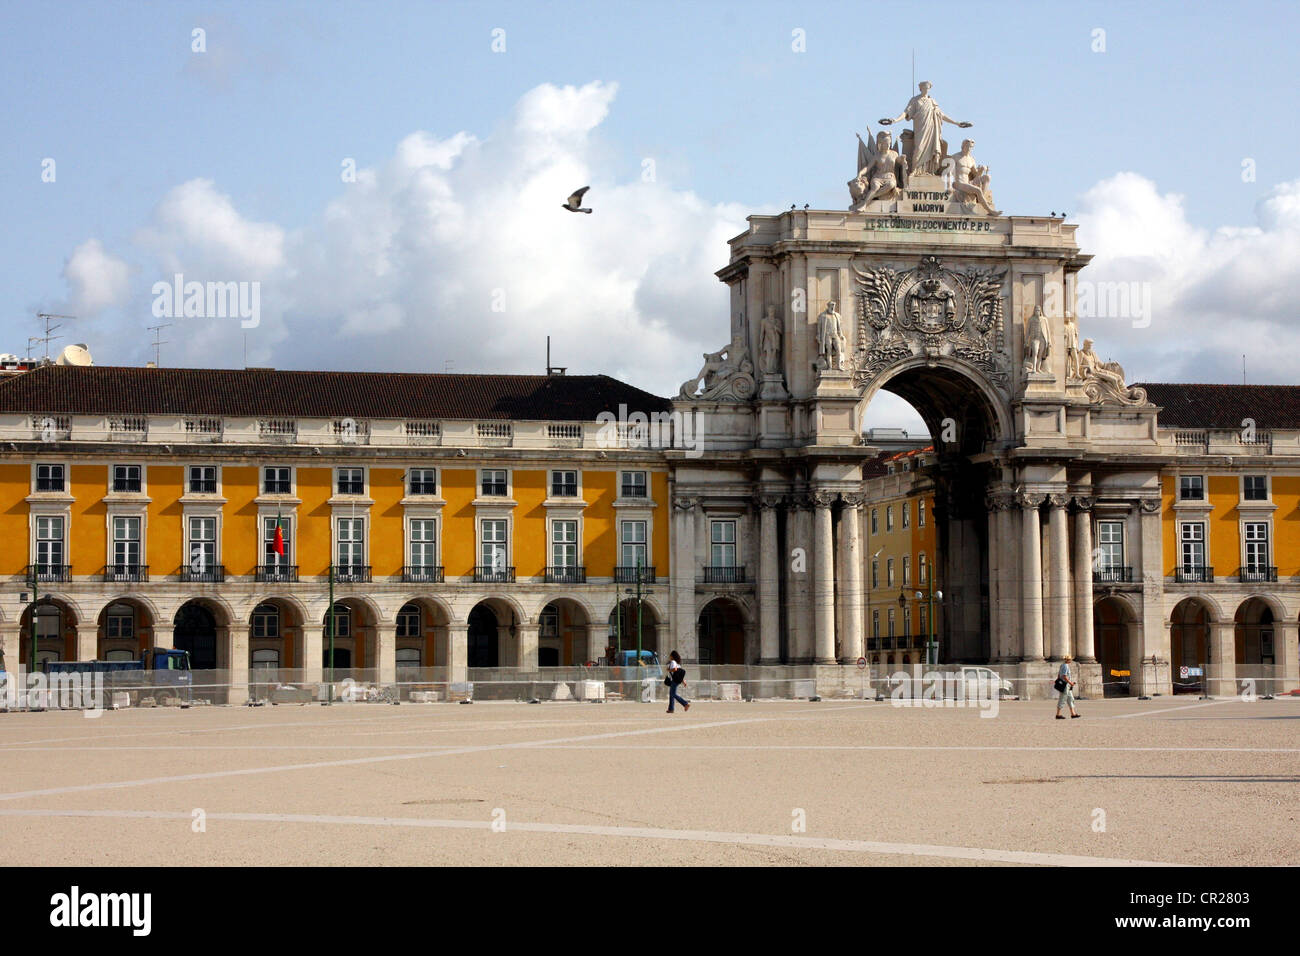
{"type": "Point", "coordinates": [575, 201]}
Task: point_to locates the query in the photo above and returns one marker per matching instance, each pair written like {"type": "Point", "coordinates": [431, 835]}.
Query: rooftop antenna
{"type": "Point", "coordinates": [49, 336]}
{"type": "Point", "coordinates": [448, 365]}
{"type": "Point", "coordinates": [551, 369]}
{"type": "Point", "coordinates": [913, 86]}
{"type": "Point", "coordinates": [157, 342]}
{"type": "Point", "coordinates": [1243, 368]}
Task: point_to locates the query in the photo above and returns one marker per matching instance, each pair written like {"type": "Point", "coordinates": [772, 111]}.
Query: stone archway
{"type": "Point", "coordinates": [1255, 640]}
{"type": "Point", "coordinates": [125, 626]}
{"type": "Point", "coordinates": [625, 631]}
{"type": "Point", "coordinates": [1115, 635]}
{"type": "Point", "coordinates": [562, 634]}
{"type": "Point", "coordinates": [1189, 639]}
{"type": "Point", "coordinates": [200, 629]}
{"type": "Point", "coordinates": [58, 631]}
{"type": "Point", "coordinates": [721, 638]}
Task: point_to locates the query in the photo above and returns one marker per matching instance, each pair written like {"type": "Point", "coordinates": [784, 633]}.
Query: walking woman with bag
{"type": "Point", "coordinates": [676, 678]}
{"type": "Point", "coordinates": [1065, 687]}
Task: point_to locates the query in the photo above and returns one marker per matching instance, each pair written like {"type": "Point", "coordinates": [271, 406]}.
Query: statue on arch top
{"type": "Point", "coordinates": [928, 149]}
{"type": "Point", "coordinates": [882, 172]}
{"type": "Point", "coordinates": [970, 181]}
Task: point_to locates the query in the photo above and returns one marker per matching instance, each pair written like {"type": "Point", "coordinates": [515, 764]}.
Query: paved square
{"type": "Point", "coordinates": [1178, 780]}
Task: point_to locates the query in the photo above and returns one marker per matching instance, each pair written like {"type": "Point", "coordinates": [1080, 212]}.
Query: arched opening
{"type": "Point", "coordinates": [1113, 625]}
{"type": "Point", "coordinates": [721, 633]}
{"type": "Point", "coordinates": [493, 634]}
{"type": "Point", "coordinates": [1189, 651]}
{"type": "Point", "coordinates": [562, 634]}
{"type": "Point", "coordinates": [941, 514]}
{"type": "Point", "coordinates": [1256, 638]}
{"type": "Point", "coordinates": [56, 634]}
{"type": "Point", "coordinates": [352, 646]}
{"type": "Point", "coordinates": [125, 626]}
{"type": "Point", "coordinates": [195, 631]}
{"type": "Point", "coordinates": [632, 626]}
{"type": "Point", "coordinates": [421, 637]}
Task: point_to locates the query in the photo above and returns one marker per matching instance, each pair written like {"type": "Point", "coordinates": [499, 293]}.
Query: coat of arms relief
{"type": "Point", "coordinates": [932, 311]}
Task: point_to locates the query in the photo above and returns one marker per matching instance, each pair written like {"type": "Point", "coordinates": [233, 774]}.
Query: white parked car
{"type": "Point", "coordinates": [987, 683]}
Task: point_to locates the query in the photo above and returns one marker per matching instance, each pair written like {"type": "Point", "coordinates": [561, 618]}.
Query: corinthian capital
{"type": "Point", "coordinates": [1084, 502]}
{"type": "Point", "coordinates": [685, 502]}
{"type": "Point", "coordinates": [770, 502]}
{"type": "Point", "coordinates": [1027, 500]}
{"type": "Point", "coordinates": [852, 499]}
{"type": "Point", "coordinates": [1058, 500]}
{"type": "Point", "coordinates": [1149, 506]}
{"type": "Point", "coordinates": [823, 499]}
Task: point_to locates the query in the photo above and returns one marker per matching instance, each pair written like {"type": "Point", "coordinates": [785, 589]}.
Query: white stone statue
{"type": "Point", "coordinates": [1038, 342]}
{"type": "Point", "coordinates": [1104, 381]}
{"type": "Point", "coordinates": [830, 338]}
{"type": "Point", "coordinates": [1073, 369]}
{"type": "Point", "coordinates": [971, 181]}
{"type": "Point", "coordinates": [927, 150]}
{"type": "Point", "coordinates": [770, 341]}
{"type": "Point", "coordinates": [882, 171]}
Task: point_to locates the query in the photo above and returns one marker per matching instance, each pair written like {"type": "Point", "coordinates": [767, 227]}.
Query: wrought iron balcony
{"type": "Point", "coordinates": [277, 573]}
{"type": "Point", "coordinates": [352, 573]}
{"type": "Point", "coordinates": [491, 574]}
{"type": "Point", "coordinates": [1257, 573]}
{"type": "Point", "coordinates": [126, 572]}
{"type": "Point", "coordinates": [570, 574]}
{"type": "Point", "coordinates": [422, 574]}
{"type": "Point", "coordinates": [627, 574]}
{"type": "Point", "coordinates": [212, 574]}
{"type": "Point", "coordinates": [722, 574]}
{"type": "Point", "coordinates": [1112, 575]}
{"type": "Point", "coordinates": [59, 573]}
{"type": "Point", "coordinates": [1192, 574]}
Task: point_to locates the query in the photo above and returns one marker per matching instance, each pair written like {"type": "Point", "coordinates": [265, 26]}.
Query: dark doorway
{"type": "Point", "coordinates": [196, 632]}
{"type": "Point", "coordinates": [482, 637]}
{"type": "Point", "coordinates": [342, 658]}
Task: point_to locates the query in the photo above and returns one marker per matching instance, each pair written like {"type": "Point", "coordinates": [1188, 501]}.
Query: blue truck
{"type": "Point", "coordinates": [160, 672]}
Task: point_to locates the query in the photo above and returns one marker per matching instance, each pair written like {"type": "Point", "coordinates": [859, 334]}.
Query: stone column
{"type": "Point", "coordinates": [87, 641]}
{"type": "Point", "coordinates": [1031, 580]}
{"type": "Point", "coordinates": [1286, 669]}
{"type": "Point", "coordinates": [313, 654]}
{"type": "Point", "coordinates": [770, 562]}
{"type": "Point", "coordinates": [291, 642]}
{"type": "Point", "coordinates": [799, 616]}
{"type": "Point", "coordinates": [1221, 681]}
{"type": "Point", "coordinates": [993, 505]}
{"type": "Point", "coordinates": [10, 636]}
{"type": "Point", "coordinates": [685, 628]}
{"type": "Point", "coordinates": [851, 572]}
{"type": "Point", "coordinates": [1009, 586]}
{"type": "Point", "coordinates": [824, 585]}
{"type": "Point", "coordinates": [164, 637]}
{"type": "Point", "coordinates": [597, 641]}
{"type": "Point", "coordinates": [236, 638]}
{"type": "Point", "coordinates": [1059, 545]}
{"type": "Point", "coordinates": [1155, 636]}
{"type": "Point", "coordinates": [457, 653]}
{"type": "Point", "coordinates": [1084, 643]}
{"type": "Point", "coordinates": [527, 643]}
{"type": "Point", "coordinates": [385, 662]}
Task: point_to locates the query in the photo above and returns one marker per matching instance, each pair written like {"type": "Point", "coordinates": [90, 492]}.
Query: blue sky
{"type": "Point", "coordinates": [735, 120]}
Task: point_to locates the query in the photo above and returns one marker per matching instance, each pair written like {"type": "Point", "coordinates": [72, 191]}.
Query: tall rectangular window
{"type": "Point", "coordinates": [889, 572]}
{"type": "Point", "coordinates": [906, 510]}
{"type": "Point", "coordinates": [126, 477]}
{"type": "Point", "coordinates": [1192, 540]}
{"type": "Point", "coordinates": [1256, 487]}
{"type": "Point", "coordinates": [924, 613]}
{"type": "Point", "coordinates": [891, 622]}
{"type": "Point", "coordinates": [875, 521]}
{"type": "Point", "coordinates": [1256, 545]}
{"type": "Point", "coordinates": [907, 622]}
{"type": "Point", "coordinates": [1110, 541]}
{"type": "Point", "coordinates": [922, 570]}
{"type": "Point", "coordinates": [276, 481]}
{"type": "Point", "coordinates": [875, 622]}
{"type": "Point", "coordinates": [722, 544]}
{"type": "Point", "coordinates": [49, 478]}
{"type": "Point", "coordinates": [352, 542]}
{"type": "Point", "coordinates": [424, 481]}
{"type": "Point", "coordinates": [269, 555]}
{"type": "Point", "coordinates": [920, 512]}
{"type": "Point", "coordinates": [49, 543]}
{"type": "Point", "coordinates": [203, 544]}
{"type": "Point", "coordinates": [493, 483]}
{"type": "Point", "coordinates": [203, 479]}
{"type": "Point", "coordinates": [493, 544]}
{"type": "Point", "coordinates": [907, 570]}
{"type": "Point", "coordinates": [126, 542]}
{"type": "Point", "coordinates": [564, 544]}
{"type": "Point", "coordinates": [1191, 488]}
{"type": "Point", "coordinates": [564, 484]}
{"type": "Point", "coordinates": [889, 517]}
{"type": "Point", "coordinates": [351, 481]}
{"type": "Point", "coordinates": [633, 549]}
{"type": "Point", "coordinates": [875, 574]}
{"type": "Point", "coordinates": [633, 485]}
{"type": "Point", "coordinates": [424, 543]}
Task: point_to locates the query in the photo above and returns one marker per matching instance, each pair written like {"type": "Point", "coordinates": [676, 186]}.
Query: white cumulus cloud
{"type": "Point", "coordinates": [98, 279]}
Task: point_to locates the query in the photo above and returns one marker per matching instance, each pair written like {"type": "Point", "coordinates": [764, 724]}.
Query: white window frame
{"type": "Point", "coordinates": [188, 555]}
{"type": "Point", "coordinates": [411, 541]}
{"type": "Point", "coordinates": [216, 479]}
{"type": "Point", "coordinates": [1182, 497]}
{"type": "Point", "coordinates": [338, 480]}
{"type": "Point", "coordinates": [410, 481]}
{"type": "Point", "coordinates": [624, 543]}
{"type": "Point", "coordinates": [36, 478]}
{"type": "Point", "coordinates": [293, 481]}
{"type": "Point", "coordinates": [506, 493]}
{"type": "Point", "coordinates": [113, 540]}
{"type": "Point", "coordinates": [1247, 541]}
{"type": "Point", "coordinates": [623, 483]}
{"type": "Point", "coordinates": [554, 542]}
{"type": "Point", "coordinates": [1268, 490]}
{"type": "Point", "coordinates": [728, 550]}
{"type": "Point", "coordinates": [1106, 547]}
{"type": "Point", "coordinates": [889, 572]}
{"type": "Point", "coordinates": [62, 539]}
{"type": "Point", "coordinates": [112, 478]}
{"type": "Point", "coordinates": [1184, 539]}
{"type": "Point", "coordinates": [481, 545]}
{"type": "Point", "coordinates": [265, 554]}
{"type": "Point", "coordinates": [358, 521]}
{"type": "Point", "coordinates": [577, 484]}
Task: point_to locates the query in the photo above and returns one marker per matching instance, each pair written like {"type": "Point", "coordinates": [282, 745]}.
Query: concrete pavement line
{"type": "Point", "coordinates": [1170, 710]}
{"type": "Point", "coordinates": [977, 854]}
{"type": "Point", "coordinates": [956, 747]}
{"type": "Point", "coordinates": [357, 761]}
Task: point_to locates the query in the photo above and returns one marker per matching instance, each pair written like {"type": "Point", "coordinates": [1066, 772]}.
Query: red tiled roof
{"type": "Point", "coordinates": [1225, 406]}
{"type": "Point", "coordinates": [117, 390]}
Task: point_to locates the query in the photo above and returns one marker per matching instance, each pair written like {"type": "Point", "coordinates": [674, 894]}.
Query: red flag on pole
{"type": "Point", "coordinates": [278, 544]}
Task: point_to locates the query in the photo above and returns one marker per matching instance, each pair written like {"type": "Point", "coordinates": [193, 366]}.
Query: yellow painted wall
{"type": "Point", "coordinates": [599, 531]}
{"type": "Point", "coordinates": [88, 537]}
{"type": "Point", "coordinates": [387, 533]}
{"type": "Point", "coordinates": [459, 536]}
{"type": "Point", "coordinates": [530, 546]}
{"type": "Point", "coordinates": [314, 550]}
{"type": "Point", "coordinates": [1169, 523]}
{"type": "Point", "coordinates": [165, 533]}
{"type": "Point", "coordinates": [15, 484]}
{"type": "Point", "coordinates": [659, 492]}
{"type": "Point", "coordinates": [1286, 541]}
{"type": "Point", "coordinates": [1224, 493]}
{"type": "Point", "coordinates": [240, 536]}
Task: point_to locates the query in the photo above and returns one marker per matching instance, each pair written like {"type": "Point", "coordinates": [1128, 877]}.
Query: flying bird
{"type": "Point", "coordinates": [574, 203]}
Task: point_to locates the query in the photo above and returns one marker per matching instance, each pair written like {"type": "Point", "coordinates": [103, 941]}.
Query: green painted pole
{"type": "Point", "coordinates": [32, 653]}
{"type": "Point", "coordinates": [331, 620]}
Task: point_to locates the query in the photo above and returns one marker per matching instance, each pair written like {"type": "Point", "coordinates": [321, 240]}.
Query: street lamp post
{"type": "Point", "coordinates": [639, 596]}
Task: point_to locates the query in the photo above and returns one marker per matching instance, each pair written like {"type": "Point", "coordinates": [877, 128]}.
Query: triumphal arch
{"type": "Point", "coordinates": [922, 288]}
